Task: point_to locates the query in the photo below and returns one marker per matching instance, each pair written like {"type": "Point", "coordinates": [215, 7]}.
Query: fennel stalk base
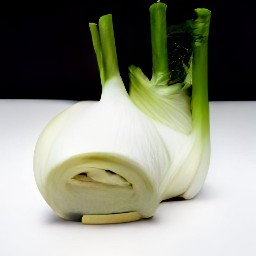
{"type": "Point", "coordinates": [111, 218]}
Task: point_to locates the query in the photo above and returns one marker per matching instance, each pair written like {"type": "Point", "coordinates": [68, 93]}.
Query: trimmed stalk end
{"type": "Point", "coordinates": [111, 218]}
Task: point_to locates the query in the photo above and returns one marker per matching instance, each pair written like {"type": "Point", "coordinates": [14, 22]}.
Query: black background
{"type": "Point", "coordinates": [46, 50]}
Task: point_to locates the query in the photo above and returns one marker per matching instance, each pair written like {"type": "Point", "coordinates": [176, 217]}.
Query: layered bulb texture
{"type": "Point", "coordinates": [116, 159]}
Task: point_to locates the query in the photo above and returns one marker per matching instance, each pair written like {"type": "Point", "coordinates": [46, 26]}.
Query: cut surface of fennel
{"type": "Point", "coordinates": [116, 159]}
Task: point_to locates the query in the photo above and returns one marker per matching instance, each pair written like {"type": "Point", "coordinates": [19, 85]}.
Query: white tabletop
{"type": "Point", "coordinates": [221, 220]}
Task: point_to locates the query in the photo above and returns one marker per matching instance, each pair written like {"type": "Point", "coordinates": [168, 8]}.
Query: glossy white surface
{"type": "Point", "coordinates": [221, 220]}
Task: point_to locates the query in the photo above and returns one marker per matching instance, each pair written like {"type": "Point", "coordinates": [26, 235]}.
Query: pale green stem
{"type": "Point", "coordinates": [97, 47]}
{"type": "Point", "coordinates": [200, 102]}
{"type": "Point", "coordinates": [159, 43]}
{"type": "Point", "coordinates": [105, 48]}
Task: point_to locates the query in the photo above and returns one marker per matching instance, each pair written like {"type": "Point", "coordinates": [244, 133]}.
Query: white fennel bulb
{"type": "Point", "coordinates": [116, 159]}
{"type": "Point", "coordinates": [101, 154]}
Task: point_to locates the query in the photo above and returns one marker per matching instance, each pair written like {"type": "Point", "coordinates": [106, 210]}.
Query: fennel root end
{"type": "Point", "coordinates": [111, 218]}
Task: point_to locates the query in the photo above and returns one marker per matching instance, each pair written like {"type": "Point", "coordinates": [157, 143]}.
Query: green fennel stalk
{"type": "Point", "coordinates": [200, 104]}
{"type": "Point", "coordinates": [104, 45]}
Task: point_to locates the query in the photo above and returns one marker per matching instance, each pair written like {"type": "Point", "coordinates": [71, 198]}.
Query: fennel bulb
{"type": "Point", "coordinates": [116, 159]}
